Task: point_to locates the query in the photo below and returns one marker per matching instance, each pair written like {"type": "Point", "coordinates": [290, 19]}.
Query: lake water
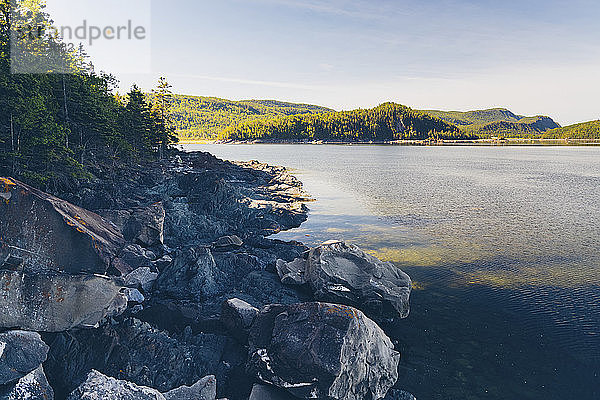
{"type": "Point", "coordinates": [503, 244]}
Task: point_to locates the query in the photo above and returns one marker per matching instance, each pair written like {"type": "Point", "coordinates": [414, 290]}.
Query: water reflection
{"type": "Point", "coordinates": [502, 244]}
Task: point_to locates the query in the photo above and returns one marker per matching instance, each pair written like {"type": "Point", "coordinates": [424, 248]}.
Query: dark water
{"type": "Point", "coordinates": [503, 244]}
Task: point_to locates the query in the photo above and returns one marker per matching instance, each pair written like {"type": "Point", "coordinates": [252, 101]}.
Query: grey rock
{"type": "Point", "coordinates": [192, 276]}
{"type": "Point", "coordinates": [137, 352]}
{"type": "Point", "coordinates": [163, 262]}
{"type": "Point", "coordinates": [50, 234]}
{"type": "Point", "coordinates": [395, 394]}
{"type": "Point", "coordinates": [136, 256]}
{"type": "Point", "coordinates": [204, 389]}
{"type": "Point", "coordinates": [101, 387]}
{"type": "Point", "coordinates": [237, 316]}
{"type": "Point", "coordinates": [146, 226]}
{"type": "Point", "coordinates": [143, 226]}
{"type": "Point", "coordinates": [134, 295]}
{"type": "Point", "coordinates": [142, 277]}
{"type": "Point", "coordinates": [225, 243]}
{"type": "Point", "coordinates": [343, 273]}
{"type": "Point", "coordinates": [33, 386]}
{"type": "Point", "coordinates": [320, 350]}
{"type": "Point", "coordinates": [266, 392]}
{"type": "Point", "coordinates": [292, 273]}
{"type": "Point", "coordinates": [262, 288]}
{"type": "Point", "coordinates": [58, 302]}
{"type": "Point", "coordinates": [136, 309]}
{"type": "Point", "coordinates": [20, 353]}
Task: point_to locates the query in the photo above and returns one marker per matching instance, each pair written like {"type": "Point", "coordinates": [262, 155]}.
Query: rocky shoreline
{"type": "Point", "coordinates": [160, 282]}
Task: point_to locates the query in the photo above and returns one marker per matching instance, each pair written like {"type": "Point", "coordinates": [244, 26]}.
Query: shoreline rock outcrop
{"type": "Point", "coordinates": [155, 293]}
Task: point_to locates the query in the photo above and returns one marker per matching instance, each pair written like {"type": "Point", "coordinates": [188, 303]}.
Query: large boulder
{"type": "Point", "coordinates": [99, 386]}
{"type": "Point", "coordinates": [33, 386]}
{"type": "Point", "coordinates": [343, 273]}
{"type": "Point", "coordinates": [56, 302]}
{"type": "Point", "coordinates": [20, 353]}
{"type": "Point", "coordinates": [320, 350]}
{"type": "Point", "coordinates": [47, 233]}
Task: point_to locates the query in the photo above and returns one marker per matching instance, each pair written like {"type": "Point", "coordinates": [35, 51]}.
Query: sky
{"type": "Point", "coordinates": [530, 56]}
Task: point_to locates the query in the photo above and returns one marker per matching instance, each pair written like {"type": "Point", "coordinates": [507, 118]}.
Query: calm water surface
{"type": "Point", "coordinates": [503, 244]}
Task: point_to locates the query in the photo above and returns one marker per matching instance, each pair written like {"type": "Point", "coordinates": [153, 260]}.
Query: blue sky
{"type": "Point", "coordinates": [534, 57]}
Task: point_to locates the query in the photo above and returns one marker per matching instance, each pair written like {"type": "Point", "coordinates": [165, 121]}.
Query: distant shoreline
{"type": "Point", "coordinates": [478, 142]}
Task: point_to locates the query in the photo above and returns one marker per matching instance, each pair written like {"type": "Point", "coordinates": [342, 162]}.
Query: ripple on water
{"type": "Point", "coordinates": [503, 243]}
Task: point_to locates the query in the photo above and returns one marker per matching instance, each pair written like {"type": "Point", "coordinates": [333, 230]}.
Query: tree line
{"type": "Point", "coordinates": [55, 126]}
{"type": "Point", "coordinates": [387, 122]}
{"type": "Point", "coordinates": [197, 117]}
{"type": "Point", "coordinates": [585, 130]}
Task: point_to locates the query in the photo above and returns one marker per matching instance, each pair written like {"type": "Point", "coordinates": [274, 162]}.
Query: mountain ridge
{"type": "Point", "coordinates": [206, 117]}
{"type": "Point", "coordinates": [496, 121]}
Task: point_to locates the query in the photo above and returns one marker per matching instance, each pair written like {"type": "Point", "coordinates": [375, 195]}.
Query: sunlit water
{"type": "Point", "coordinates": [503, 244]}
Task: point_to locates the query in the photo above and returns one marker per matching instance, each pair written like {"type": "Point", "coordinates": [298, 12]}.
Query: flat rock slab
{"type": "Point", "coordinates": [47, 233]}
{"type": "Point", "coordinates": [57, 302]}
{"type": "Point", "coordinates": [320, 350]}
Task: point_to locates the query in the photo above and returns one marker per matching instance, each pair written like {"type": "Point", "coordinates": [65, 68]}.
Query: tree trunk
{"type": "Point", "coordinates": [12, 144]}
{"type": "Point", "coordinates": [66, 108]}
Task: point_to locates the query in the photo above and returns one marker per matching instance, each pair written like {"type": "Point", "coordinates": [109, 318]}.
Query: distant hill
{"type": "Point", "coordinates": [585, 130]}
{"type": "Point", "coordinates": [199, 117]}
{"type": "Point", "coordinates": [496, 122]}
{"type": "Point", "coordinates": [384, 123]}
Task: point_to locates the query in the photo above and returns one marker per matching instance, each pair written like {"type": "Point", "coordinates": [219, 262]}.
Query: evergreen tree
{"type": "Point", "coordinates": [161, 109]}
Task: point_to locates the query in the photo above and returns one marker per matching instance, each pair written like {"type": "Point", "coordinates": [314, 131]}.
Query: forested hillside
{"type": "Point", "coordinates": [56, 128]}
{"type": "Point", "coordinates": [197, 117]}
{"type": "Point", "coordinates": [496, 122]}
{"type": "Point", "coordinates": [585, 130]}
{"type": "Point", "coordinates": [384, 123]}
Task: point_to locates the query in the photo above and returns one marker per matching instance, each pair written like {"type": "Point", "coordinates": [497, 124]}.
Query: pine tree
{"type": "Point", "coordinates": [161, 108]}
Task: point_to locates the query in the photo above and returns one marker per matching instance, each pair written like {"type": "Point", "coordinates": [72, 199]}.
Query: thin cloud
{"type": "Point", "coordinates": [355, 9]}
{"type": "Point", "coordinates": [289, 85]}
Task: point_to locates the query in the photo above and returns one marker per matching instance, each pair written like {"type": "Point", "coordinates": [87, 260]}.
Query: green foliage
{"type": "Point", "coordinates": [197, 117]}
{"type": "Point", "coordinates": [477, 117]}
{"type": "Point", "coordinates": [55, 126]}
{"type": "Point", "coordinates": [585, 130]}
{"type": "Point", "coordinates": [387, 122]}
{"type": "Point", "coordinates": [164, 129]}
{"type": "Point", "coordinates": [496, 122]}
